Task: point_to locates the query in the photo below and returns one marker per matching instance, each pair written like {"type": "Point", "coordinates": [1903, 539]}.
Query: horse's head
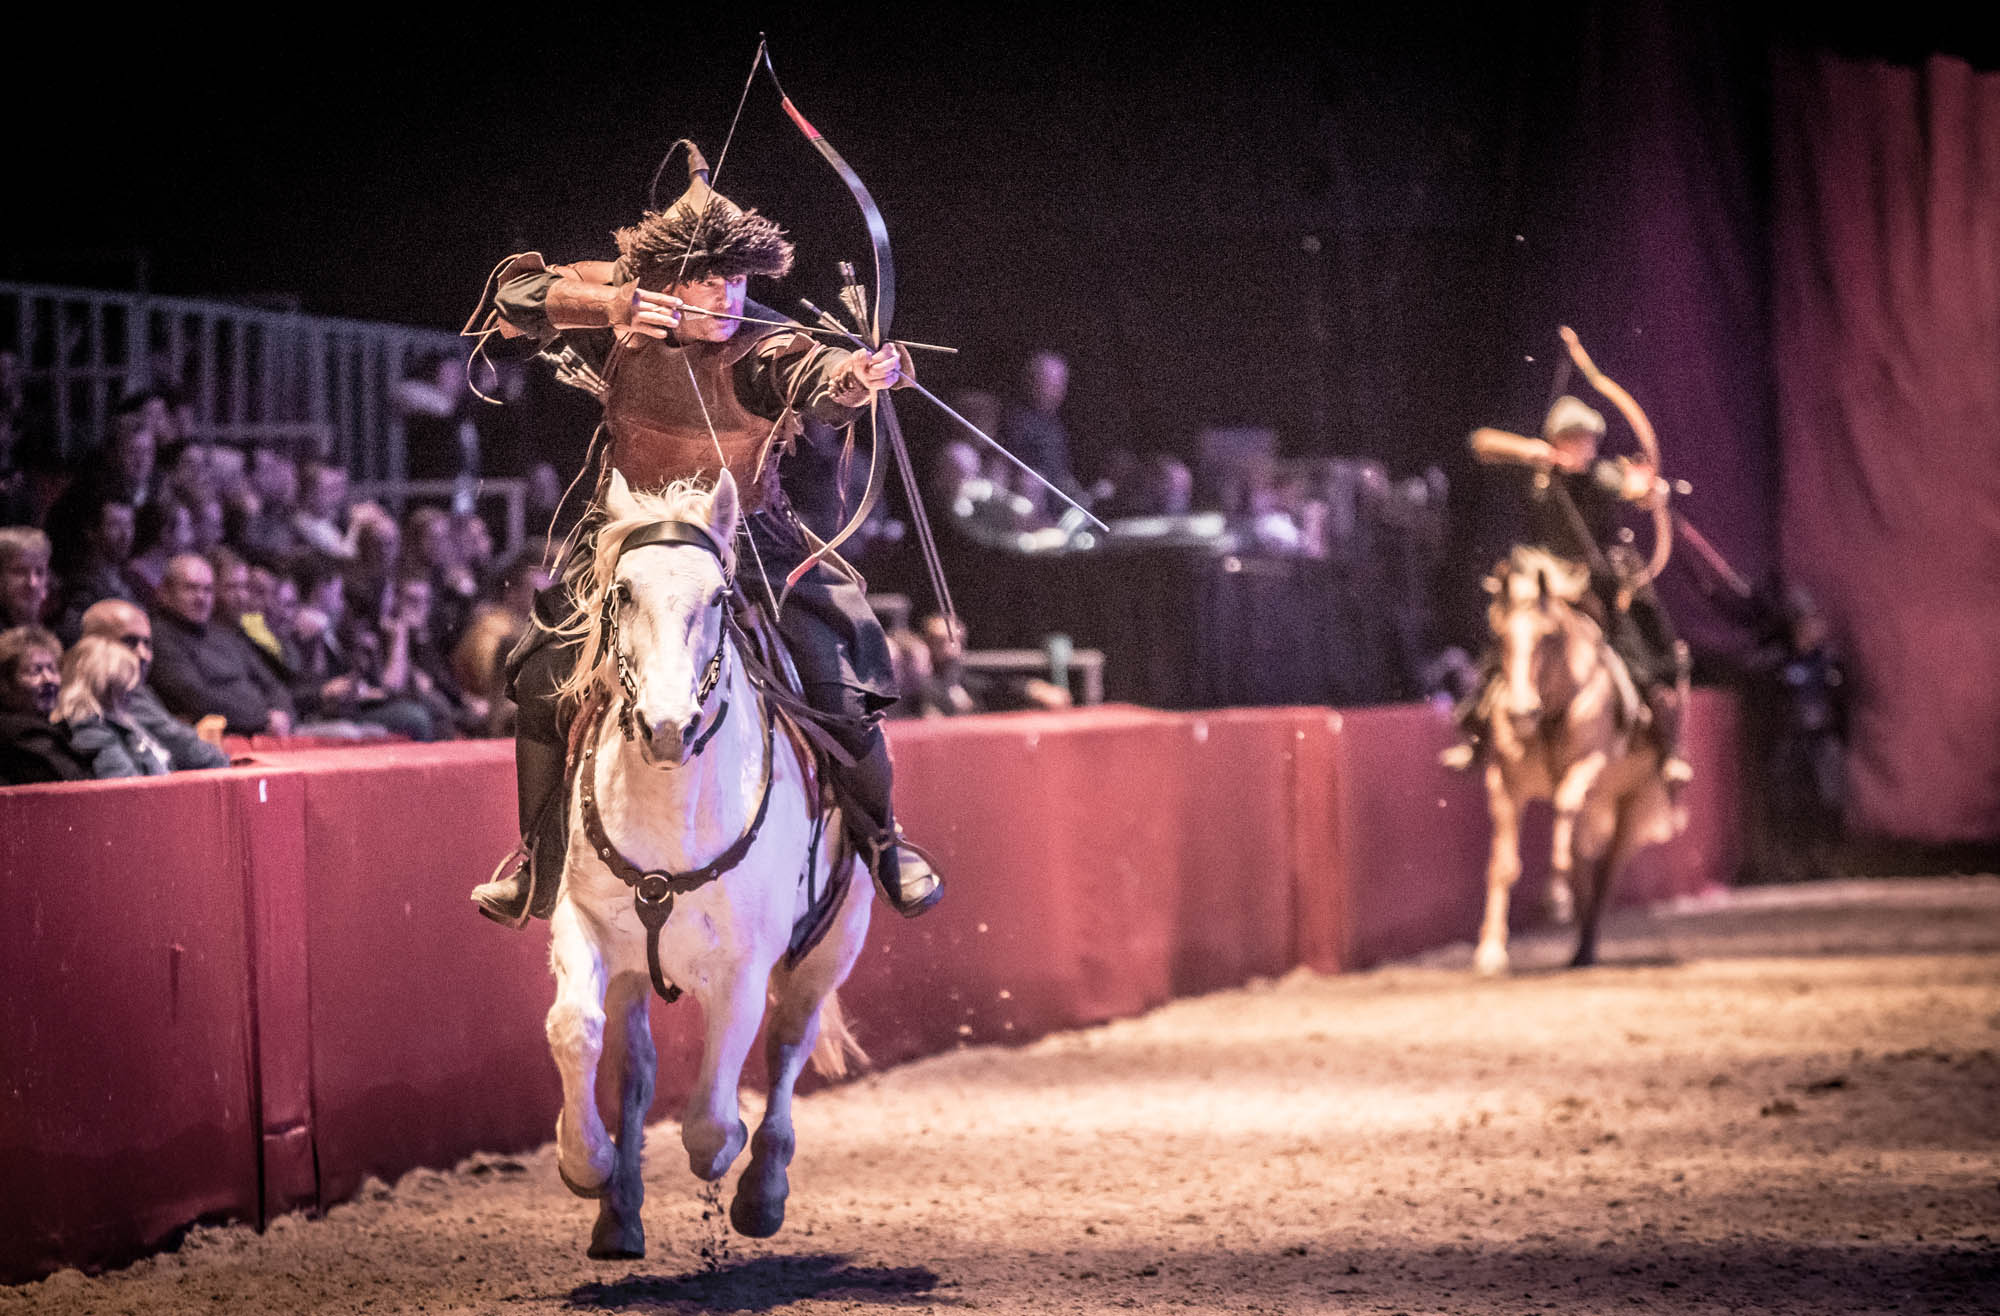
{"type": "Point", "coordinates": [1534, 595]}
{"type": "Point", "coordinates": [665, 566]}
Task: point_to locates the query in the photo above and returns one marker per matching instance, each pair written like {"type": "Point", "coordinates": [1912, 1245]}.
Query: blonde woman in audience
{"type": "Point", "coordinates": [98, 675]}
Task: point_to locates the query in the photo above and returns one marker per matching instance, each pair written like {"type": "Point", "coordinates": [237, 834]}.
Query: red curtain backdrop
{"type": "Point", "coordinates": [1887, 350]}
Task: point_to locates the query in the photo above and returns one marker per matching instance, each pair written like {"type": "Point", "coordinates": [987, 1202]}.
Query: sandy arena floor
{"type": "Point", "coordinates": [1786, 1103]}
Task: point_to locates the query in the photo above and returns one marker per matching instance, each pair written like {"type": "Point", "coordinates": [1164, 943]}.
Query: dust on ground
{"type": "Point", "coordinates": [1784, 1101]}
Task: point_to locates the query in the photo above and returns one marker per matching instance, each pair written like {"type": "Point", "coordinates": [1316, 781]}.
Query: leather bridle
{"type": "Point", "coordinates": [669, 534]}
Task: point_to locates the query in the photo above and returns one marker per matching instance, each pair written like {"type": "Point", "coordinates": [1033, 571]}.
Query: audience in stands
{"type": "Point", "coordinates": [127, 625]}
{"type": "Point", "coordinates": [278, 606]}
{"type": "Point", "coordinates": [33, 747]}
{"type": "Point", "coordinates": [202, 666]}
{"type": "Point", "coordinates": [98, 677]}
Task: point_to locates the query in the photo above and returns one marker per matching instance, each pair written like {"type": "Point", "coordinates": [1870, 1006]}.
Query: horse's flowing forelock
{"type": "Point", "coordinates": [1567, 580]}
{"type": "Point", "coordinates": [592, 577]}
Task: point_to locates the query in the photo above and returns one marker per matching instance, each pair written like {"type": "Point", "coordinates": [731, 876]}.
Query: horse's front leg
{"type": "Point", "coordinates": [1568, 800]}
{"type": "Point", "coordinates": [1602, 849]}
{"type": "Point", "coordinates": [712, 1129]}
{"type": "Point", "coordinates": [790, 1033]}
{"type": "Point", "coordinates": [620, 1232]}
{"type": "Point", "coordinates": [1503, 869]}
{"type": "Point", "coordinates": [585, 1157]}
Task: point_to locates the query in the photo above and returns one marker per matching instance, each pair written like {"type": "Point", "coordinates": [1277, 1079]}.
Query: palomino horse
{"type": "Point", "coordinates": [1563, 724]}
{"type": "Point", "coordinates": [692, 839]}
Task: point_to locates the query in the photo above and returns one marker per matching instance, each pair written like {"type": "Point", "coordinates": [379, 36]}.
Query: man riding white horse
{"type": "Point", "coordinates": [689, 388]}
{"type": "Point", "coordinates": [1573, 505]}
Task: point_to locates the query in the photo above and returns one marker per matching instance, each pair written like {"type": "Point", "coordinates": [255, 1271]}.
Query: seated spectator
{"type": "Point", "coordinates": [267, 536]}
{"type": "Point", "coordinates": [474, 539]}
{"type": "Point", "coordinates": [951, 690]}
{"type": "Point", "coordinates": [277, 613]}
{"type": "Point", "coordinates": [24, 576]}
{"type": "Point", "coordinates": [97, 570]}
{"type": "Point", "coordinates": [211, 521]}
{"type": "Point", "coordinates": [122, 470]}
{"type": "Point", "coordinates": [98, 675]}
{"type": "Point", "coordinates": [127, 625]}
{"type": "Point", "coordinates": [479, 660]}
{"type": "Point", "coordinates": [232, 587]}
{"type": "Point", "coordinates": [163, 529]}
{"type": "Point", "coordinates": [431, 548]}
{"type": "Point", "coordinates": [415, 666]}
{"type": "Point", "coordinates": [201, 667]}
{"type": "Point", "coordinates": [32, 746]}
{"type": "Point", "coordinates": [333, 663]}
{"type": "Point", "coordinates": [378, 552]}
{"type": "Point", "coordinates": [323, 519]}
{"type": "Point", "coordinates": [185, 471]}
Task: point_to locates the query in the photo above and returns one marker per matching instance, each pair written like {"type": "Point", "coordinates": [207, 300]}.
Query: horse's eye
{"type": "Point", "coordinates": [621, 594]}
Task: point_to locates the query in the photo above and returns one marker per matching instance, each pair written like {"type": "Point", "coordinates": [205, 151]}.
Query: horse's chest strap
{"type": "Point", "coordinates": [653, 890]}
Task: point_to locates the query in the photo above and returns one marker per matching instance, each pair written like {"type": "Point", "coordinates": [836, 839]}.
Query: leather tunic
{"type": "Point", "coordinates": [660, 429]}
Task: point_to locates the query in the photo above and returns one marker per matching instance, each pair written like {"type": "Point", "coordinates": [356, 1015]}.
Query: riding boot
{"type": "Point", "coordinates": [525, 885]}
{"type": "Point", "coordinates": [1667, 704]}
{"type": "Point", "coordinates": [908, 879]}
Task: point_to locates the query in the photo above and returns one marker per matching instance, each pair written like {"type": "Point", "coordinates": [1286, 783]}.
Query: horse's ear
{"type": "Point", "coordinates": [723, 507]}
{"type": "Point", "coordinates": [1491, 585]}
{"type": "Point", "coordinates": [1542, 586]}
{"type": "Point", "coordinates": [618, 501]}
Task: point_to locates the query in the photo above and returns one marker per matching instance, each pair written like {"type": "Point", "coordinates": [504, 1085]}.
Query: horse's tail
{"type": "Point", "coordinates": [836, 1045]}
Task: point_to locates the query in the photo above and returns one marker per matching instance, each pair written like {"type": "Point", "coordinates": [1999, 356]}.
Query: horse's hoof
{"type": "Point", "coordinates": [758, 1218]}
{"type": "Point", "coordinates": [610, 1241]}
{"type": "Point", "coordinates": [709, 1157]}
{"type": "Point", "coordinates": [1583, 959]}
{"type": "Point", "coordinates": [1489, 963]}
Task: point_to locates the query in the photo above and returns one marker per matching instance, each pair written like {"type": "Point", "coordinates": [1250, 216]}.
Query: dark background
{"type": "Point", "coordinates": [1355, 228]}
{"type": "Point", "coordinates": [1361, 230]}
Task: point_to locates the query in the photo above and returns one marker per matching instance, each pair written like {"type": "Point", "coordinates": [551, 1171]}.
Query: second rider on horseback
{"type": "Point", "coordinates": [1574, 497]}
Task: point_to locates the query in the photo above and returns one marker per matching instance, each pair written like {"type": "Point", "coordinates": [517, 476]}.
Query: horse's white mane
{"type": "Point", "coordinates": [1517, 577]}
{"type": "Point", "coordinates": [592, 577]}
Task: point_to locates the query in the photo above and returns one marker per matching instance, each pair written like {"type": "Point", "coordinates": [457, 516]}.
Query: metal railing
{"type": "Point", "coordinates": [322, 386]}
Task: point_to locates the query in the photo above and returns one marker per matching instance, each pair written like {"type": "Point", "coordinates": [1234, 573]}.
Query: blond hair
{"type": "Point", "coordinates": [97, 674]}
{"type": "Point", "coordinates": [19, 541]}
{"type": "Point", "coordinates": [591, 578]}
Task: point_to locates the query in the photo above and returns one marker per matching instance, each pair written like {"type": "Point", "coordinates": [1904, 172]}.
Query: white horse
{"type": "Point", "coordinates": [686, 777]}
{"type": "Point", "coordinates": [1563, 724]}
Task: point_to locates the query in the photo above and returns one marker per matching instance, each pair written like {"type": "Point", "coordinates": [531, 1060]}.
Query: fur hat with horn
{"type": "Point", "coordinates": [701, 234]}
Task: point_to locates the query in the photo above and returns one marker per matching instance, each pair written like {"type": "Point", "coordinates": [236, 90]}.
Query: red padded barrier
{"type": "Point", "coordinates": [241, 992]}
{"type": "Point", "coordinates": [125, 1027]}
{"type": "Point", "coordinates": [1061, 880]}
{"type": "Point", "coordinates": [425, 1019]}
{"type": "Point", "coordinates": [1416, 835]}
{"type": "Point", "coordinates": [1247, 781]}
